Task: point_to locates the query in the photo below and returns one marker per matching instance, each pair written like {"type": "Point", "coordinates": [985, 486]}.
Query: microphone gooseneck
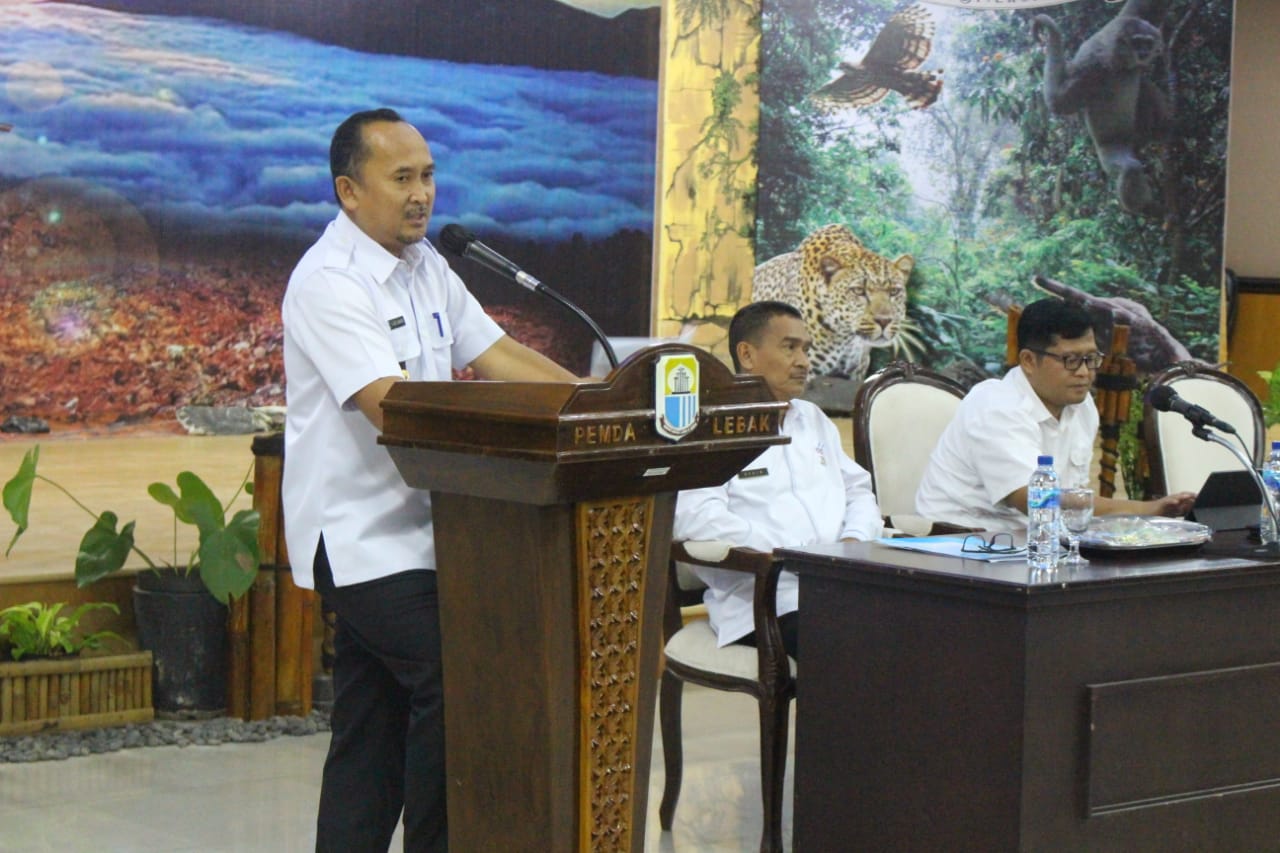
{"type": "Point", "coordinates": [464, 244]}
{"type": "Point", "coordinates": [1164, 399]}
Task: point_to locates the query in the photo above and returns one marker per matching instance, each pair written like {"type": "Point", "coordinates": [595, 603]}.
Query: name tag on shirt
{"type": "Point", "coordinates": [753, 472]}
{"type": "Point", "coordinates": [396, 322]}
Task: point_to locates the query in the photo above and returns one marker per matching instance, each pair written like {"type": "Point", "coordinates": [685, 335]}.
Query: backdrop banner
{"type": "Point", "coordinates": [164, 164]}
{"type": "Point", "coordinates": [924, 167]}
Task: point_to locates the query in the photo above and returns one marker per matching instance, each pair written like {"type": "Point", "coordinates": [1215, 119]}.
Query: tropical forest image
{"type": "Point", "coordinates": [1076, 149]}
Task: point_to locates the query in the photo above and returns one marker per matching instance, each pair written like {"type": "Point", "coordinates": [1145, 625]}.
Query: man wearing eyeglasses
{"type": "Point", "coordinates": [977, 475]}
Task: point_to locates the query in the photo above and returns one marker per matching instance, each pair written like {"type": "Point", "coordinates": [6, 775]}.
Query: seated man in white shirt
{"type": "Point", "coordinates": [977, 475]}
{"type": "Point", "coordinates": [802, 493]}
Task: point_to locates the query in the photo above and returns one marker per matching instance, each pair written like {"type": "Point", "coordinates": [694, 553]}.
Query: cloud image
{"type": "Point", "coordinates": [226, 129]}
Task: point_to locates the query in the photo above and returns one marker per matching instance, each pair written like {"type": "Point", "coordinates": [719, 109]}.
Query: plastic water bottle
{"type": "Point", "coordinates": [1271, 477]}
{"type": "Point", "coordinates": [1043, 513]}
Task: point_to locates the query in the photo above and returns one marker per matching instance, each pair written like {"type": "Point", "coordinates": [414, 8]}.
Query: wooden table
{"type": "Point", "coordinates": [953, 705]}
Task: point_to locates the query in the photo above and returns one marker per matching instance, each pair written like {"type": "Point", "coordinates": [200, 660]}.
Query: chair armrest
{"type": "Point", "coordinates": [737, 559]}
{"type": "Point", "coordinates": [773, 666]}
{"type": "Point", "coordinates": [942, 527]}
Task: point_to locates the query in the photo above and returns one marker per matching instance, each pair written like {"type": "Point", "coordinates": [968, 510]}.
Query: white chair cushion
{"type": "Point", "coordinates": [1188, 461]}
{"type": "Point", "coordinates": [905, 423]}
{"type": "Point", "coordinates": [713, 550]}
{"type": "Point", "coordinates": [694, 645]}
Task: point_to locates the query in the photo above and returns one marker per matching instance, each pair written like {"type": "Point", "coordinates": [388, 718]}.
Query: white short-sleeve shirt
{"type": "Point", "coordinates": [354, 313]}
{"type": "Point", "coordinates": [803, 493]}
{"type": "Point", "coordinates": [989, 450]}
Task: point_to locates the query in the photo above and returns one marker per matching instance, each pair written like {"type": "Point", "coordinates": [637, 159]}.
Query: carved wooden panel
{"type": "Point", "coordinates": [612, 554]}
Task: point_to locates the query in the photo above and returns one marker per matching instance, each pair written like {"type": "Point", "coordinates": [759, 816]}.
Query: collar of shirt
{"type": "Point", "coordinates": [367, 253]}
{"type": "Point", "coordinates": [1038, 409]}
{"type": "Point", "coordinates": [794, 416]}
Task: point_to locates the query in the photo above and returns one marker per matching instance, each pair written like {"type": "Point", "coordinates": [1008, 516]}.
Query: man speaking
{"type": "Point", "coordinates": [372, 303]}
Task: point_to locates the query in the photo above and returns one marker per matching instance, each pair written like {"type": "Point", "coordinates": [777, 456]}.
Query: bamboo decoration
{"type": "Point", "coordinates": [262, 645]}
{"type": "Point", "coordinates": [293, 644]}
{"type": "Point", "coordinates": [74, 693]}
{"type": "Point", "coordinates": [1116, 380]}
{"type": "Point", "coordinates": [1011, 335]}
{"type": "Point", "coordinates": [238, 659]}
{"type": "Point", "coordinates": [272, 627]}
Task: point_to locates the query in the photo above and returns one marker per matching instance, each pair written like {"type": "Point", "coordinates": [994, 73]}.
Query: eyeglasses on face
{"type": "Point", "coordinates": [1072, 361]}
{"type": "Point", "coordinates": [999, 543]}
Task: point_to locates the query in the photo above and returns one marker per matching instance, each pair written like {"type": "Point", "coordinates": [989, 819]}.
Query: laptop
{"type": "Point", "coordinates": [1228, 500]}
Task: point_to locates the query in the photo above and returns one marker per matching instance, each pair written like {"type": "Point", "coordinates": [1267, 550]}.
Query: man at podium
{"type": "Point", "coordinates": [372, 303]}
{"type": "Point", "coordinates": [803, 493]}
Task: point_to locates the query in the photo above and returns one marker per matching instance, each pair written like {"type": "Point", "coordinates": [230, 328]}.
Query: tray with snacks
{"type": "Point", "coordinates": [1143, 533]}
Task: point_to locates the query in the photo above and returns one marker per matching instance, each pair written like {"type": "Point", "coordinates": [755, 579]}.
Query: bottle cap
{"type": "Point", "coordinates": [1048, 460]}
{"type": "Point", "coordinates": [1275, 445]}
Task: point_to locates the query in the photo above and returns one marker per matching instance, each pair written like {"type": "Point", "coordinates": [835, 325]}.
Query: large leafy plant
{"type": "Point", "coordinates": [37, 630]}
{"type": "Point", "coordinates": [226, 557]}
{"type": "Point", "coordinates": [1271, 405]}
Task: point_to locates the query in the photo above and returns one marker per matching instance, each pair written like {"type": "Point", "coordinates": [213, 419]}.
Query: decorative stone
{"type": "Point", "coordinates": [230, 420]}
{"type": "Point", "coordinates": [212, 732]}
{"type": "Point", "coordinates": [16, 423]}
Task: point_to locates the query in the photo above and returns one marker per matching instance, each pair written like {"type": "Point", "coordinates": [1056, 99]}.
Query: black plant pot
{"type": "Point", "coordinates": [185, 629]}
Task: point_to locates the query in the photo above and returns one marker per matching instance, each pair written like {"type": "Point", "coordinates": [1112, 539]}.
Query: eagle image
{"type": "Point", "coordinates": [902, 45]}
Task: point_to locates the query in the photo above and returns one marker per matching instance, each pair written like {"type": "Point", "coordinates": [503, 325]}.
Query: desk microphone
{"type": "Point", "coordinates": [464, 244]}
{"type": "Point", "coordinates": [1165, 399]}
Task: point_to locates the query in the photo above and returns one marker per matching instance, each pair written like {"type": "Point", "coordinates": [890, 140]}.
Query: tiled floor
{"type": "Point", "coordinates": [261, 798]}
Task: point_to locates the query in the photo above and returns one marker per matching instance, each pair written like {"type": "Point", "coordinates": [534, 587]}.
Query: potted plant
{"type": "Point", "coordinates": [37, 630]}
{"type": "Point", "coordinates": [53, 686]}
{"type": "Point", "coordinates": [179, 604]}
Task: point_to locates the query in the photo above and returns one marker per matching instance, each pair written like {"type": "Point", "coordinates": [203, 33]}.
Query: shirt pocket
{"type": "Point", "coordinates": [1081, 457]}
{"type": "Point", "coordinates": [439, 337]}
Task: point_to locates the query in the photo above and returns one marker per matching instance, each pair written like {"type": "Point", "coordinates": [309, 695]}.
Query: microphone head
{"type": "Point", "coordinates": [1161, 398]}
{"type": "Point", "coordinates": [456, 239]}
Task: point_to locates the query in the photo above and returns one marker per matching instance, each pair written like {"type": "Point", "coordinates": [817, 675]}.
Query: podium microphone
{"type": "Point", "coordinates": [464, 244]}
{"type": "Point", "coordinates": [1165, 399]}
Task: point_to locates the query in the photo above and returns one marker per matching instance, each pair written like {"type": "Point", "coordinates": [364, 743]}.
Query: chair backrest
{"type": "Point", "coordinates": [898, 416]}
{"type": "Point", "coordinates": [1180, 462]}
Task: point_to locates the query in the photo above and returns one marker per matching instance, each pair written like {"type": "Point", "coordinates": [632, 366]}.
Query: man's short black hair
{"type": "Point", "coordinates": [1045, 321]}
{"type": "Point", "coordinates": [347, 149]}
{"type": "Point", "coordinates": [750, 322]}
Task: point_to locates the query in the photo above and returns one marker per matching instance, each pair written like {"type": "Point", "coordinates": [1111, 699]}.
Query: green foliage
{"type": "Point", "coordinates": [226, 557]}
{"type": "Point", "coordinates": [1020, 190]}
{"type": "Point", "coordinates": [1129, 448]}
{"type": "Point", "coordinates": [17, 494]}
{"type": "Point", "coordinates": [1271, 405]}
{"type": "Point", "coordinates": [37, 630]}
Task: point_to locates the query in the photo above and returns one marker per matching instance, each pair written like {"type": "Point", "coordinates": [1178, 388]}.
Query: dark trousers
{"type": "Point", "coordinates": [387, 746]}
{"type": "Point", "coordinates": [789, 625]}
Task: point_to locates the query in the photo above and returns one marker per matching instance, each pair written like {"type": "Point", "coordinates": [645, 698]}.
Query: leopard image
{"type": "Point", "coordinates": [852, 299]}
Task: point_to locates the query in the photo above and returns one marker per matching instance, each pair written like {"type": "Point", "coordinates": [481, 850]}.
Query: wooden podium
{"type": "Point", "coordinates": [553, 508]}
